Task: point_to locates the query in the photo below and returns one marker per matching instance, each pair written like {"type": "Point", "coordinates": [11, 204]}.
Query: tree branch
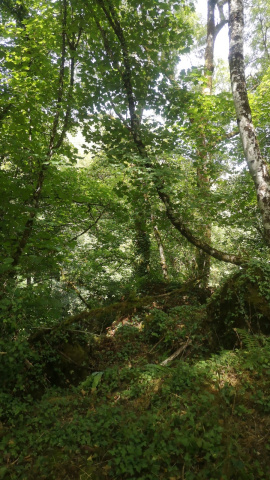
{"type": "Point", "coordinates": [88, 228]}
{"type": "Point", "coordinates": [187, 233]}
{"type": "Point", "coordinates": [177, 353]}
{"type": "Point", "coordinates": [135, 128]}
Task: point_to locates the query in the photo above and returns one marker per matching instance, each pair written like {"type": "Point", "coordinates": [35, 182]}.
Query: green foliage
{"type": "Point", "coordinates": [136, 422]}
{"type": "Point", "coordinates": [172, 326]}
{"type": "Point", "coordinates": [77, 233]}
{"type": "Point", "coordinates": [133, 419]}
{"type": "Point", "coordinates": [168, 329]}
{"type": "Point", "coordinates": [256, 350]}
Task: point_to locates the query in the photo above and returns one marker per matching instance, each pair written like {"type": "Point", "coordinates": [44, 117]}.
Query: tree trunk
{"type": "Point", "coordinates": [256, 164]}
{"type": "Point", "coordinates": [179, 224]}
{"type": "Point", "coordinates": [210, 43]}
{"type": "Point", "coordinates": [163, 262]}
{"type": "Point", "coordinates": [142, 247]}
{"type": "Point", "coordinates": [203, 260]}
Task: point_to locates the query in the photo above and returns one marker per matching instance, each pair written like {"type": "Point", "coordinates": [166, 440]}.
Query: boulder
{"type": "Point", "coordinates": [243, 301]}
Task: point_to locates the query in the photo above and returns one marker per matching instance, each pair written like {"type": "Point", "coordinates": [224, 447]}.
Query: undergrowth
{"type": "Point", "coordinates": [80, 405]}
{"type": "Point", "coordinates": [205, 419]}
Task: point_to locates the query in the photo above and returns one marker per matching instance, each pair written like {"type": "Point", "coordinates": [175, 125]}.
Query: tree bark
{"type": "Point", "coordinates": [203, 260]}
{"type": "Point", "coordinates": [142, 245]}
{"type": "Point", "coordinates": [256, 164]}
{"type": "Point", "coordinates": [179, 224]}
{"type": "Point", "coordinates": [177, 353]}
{"type": "Point", "coordinates": [163, 262]}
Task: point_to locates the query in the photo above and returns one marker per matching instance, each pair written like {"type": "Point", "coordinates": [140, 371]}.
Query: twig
{"type": "Point", "coordinates": [88, 228]}
{"type": "Point", "coordinates": [156, 344]}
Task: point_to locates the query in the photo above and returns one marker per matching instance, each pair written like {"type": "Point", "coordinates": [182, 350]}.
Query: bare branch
{"type": "Point", "coordinates": [177, 353]}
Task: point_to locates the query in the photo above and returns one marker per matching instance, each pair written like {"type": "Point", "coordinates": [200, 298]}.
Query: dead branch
{"type": "Point", "coordinates": [176, 354]}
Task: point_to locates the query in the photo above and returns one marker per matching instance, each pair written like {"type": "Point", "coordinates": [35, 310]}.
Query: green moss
{"type": "Point", "coordinates": [243, 301]}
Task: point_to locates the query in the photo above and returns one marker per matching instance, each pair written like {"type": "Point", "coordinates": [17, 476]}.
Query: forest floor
{"type": "Point", "coordinates": [115, 405]}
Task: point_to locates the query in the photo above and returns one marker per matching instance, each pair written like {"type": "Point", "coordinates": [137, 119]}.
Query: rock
{"type": "Point", "coordinates": [243, 301]}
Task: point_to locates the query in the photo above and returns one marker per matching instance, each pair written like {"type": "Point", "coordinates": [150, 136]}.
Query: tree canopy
{"type": "Point", "coordinates": [164, 155]}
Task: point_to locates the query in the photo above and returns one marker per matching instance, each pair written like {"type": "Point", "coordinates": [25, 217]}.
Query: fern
{"type": "Point", "coordinates": [258, 349]}
{"type": "Point", "coordinates": [251, 342]}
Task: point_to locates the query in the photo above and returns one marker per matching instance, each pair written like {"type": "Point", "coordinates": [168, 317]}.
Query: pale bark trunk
{"type": "Point", "coordinates": [163, 262]}
{"type": "Point", "coordinates": [203, 260]}
{"type": "Point", "coordinates": [256, 164]}
{"type": "Point", "coordinates": [210, 43]}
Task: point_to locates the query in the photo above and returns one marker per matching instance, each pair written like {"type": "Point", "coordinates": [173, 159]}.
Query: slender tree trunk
{"type": "Point", "coordinates": [203, 260]}
{"type": "Point", "coordinates": [179, 224]}
{"type": "Point", "coordinates": [210, 44]}
{"type": "Point", "coordinates": [163, 262]}
{"type": "Point", "coordinates": [142, 246]}
{"type": "Point", "coordinates": [256, 164]}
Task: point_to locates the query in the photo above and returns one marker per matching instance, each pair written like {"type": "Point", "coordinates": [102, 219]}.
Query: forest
{"type": "Point", "coordinates": [134, 240]}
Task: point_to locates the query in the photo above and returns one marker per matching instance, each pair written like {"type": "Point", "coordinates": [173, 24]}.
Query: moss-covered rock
{"type": "Point", "coordinates": [243, 301]}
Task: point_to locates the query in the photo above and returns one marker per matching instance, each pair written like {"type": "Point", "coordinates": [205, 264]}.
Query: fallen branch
{"type": "Point", "coordinates": [177, 353]}
{"type": "Point", "coordinates": [97, 318]}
